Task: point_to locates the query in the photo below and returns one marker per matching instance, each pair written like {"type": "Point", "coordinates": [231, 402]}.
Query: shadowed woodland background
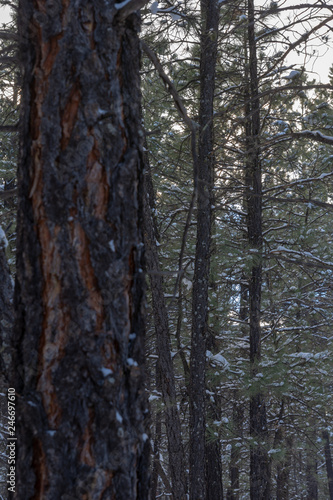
{"type": "Point", "coordinates": [236, 208]}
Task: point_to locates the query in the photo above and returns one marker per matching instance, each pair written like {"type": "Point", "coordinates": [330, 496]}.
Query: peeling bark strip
{"type": "Point", "coordinates": [79, 358]}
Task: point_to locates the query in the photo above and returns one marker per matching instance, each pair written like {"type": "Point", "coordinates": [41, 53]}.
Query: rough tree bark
{"type": "Point", "coordinates": [203, 180]}
{"type": "Point", "coordinates": [165, 366]}
{"type": "Point", "coordinates": [79, 338]}
{"type": "Point", "coordinates": [260, 482]}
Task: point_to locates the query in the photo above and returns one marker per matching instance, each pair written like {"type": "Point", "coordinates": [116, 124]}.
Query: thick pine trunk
{"type": "Point", "coordinates": [203, 180]}
{"type": "Point", "coordinates": [79, 340]}
{"type": "Point", "coordinates": [260, 481]}
{"type": "Point", "coordinates": [165, 367]}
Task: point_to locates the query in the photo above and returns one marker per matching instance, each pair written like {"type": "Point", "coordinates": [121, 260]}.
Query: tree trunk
{"type": "Point", "coordinates": [259, 459]}
{"type": "Point", "coordinates": [79, 298]}
{"type": "Point", "coordinates": [203, 180]}
{"type": "Point", "coordinates": [237, 431]}
{"type": "Point", "coordinates": [6, 312]}
{"type": "Point", "coordinates": [6, 332]}
{"type": "Point", "coordinates": [238, 404]}
{"type": "Point", "coordinates": [283, 471]}
{"type": "Point", "coordinates": [284, 464]}
{"type": "Point", "coordinates": [328, 460]}
{"type": "Point", "coordinates": [311, 477]}
{"type": "Point", "coordinates": [157, 443]}
{"type": "Point", "coordinates": [214, 484]}
{"type": "Point", "coordinates": [165, 366]}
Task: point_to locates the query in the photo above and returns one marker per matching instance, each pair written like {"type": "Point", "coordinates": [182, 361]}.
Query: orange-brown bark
{"type": "Point", "coordinates": [69, 115]}
{"type": "Point", "coordinates": [80, 292]}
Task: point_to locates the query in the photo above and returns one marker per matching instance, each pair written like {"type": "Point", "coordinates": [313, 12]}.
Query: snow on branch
{"type": "Point", "coordinates": [300, 257]}
{"type": "Point", "coordinates": [297, 182]}
{"type": "Point", "coordinates": [126, 7]}
{"type": "Point", "coordinates": [316, 135]}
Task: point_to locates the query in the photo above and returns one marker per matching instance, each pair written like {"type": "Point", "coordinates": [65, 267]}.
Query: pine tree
{"type": "Point", "coordinates": [78, 366]}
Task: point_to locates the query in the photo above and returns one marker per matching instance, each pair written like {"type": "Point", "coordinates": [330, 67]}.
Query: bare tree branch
{"type": "Point", "coordinates": [10, 193]}
{"type": "Point", "coordinates": [300, 40]}
{"type": "Point", "coordinates": [192, 127]}
{"type": "Point", "coordinates": [169, 85]}
{"type": "Point", "coordinates": [9, 128]}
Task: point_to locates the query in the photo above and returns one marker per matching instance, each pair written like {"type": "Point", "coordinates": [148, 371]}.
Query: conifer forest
{"type": "Point", "coordinates": [166, 249]}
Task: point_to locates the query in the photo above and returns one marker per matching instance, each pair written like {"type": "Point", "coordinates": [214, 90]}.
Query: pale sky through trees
{"type": "Point", "coordinates": [4, 15]}
{"type": "Point", "coordinates": [317, 64]}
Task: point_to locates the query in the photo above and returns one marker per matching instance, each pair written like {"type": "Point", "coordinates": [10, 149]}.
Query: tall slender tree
{"type": "Point", "coordinates": [259, 459]}
{"type": "Point", "coordinates": [164, 365]}
{"type": "Point", "coordinates": [203, 181]}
